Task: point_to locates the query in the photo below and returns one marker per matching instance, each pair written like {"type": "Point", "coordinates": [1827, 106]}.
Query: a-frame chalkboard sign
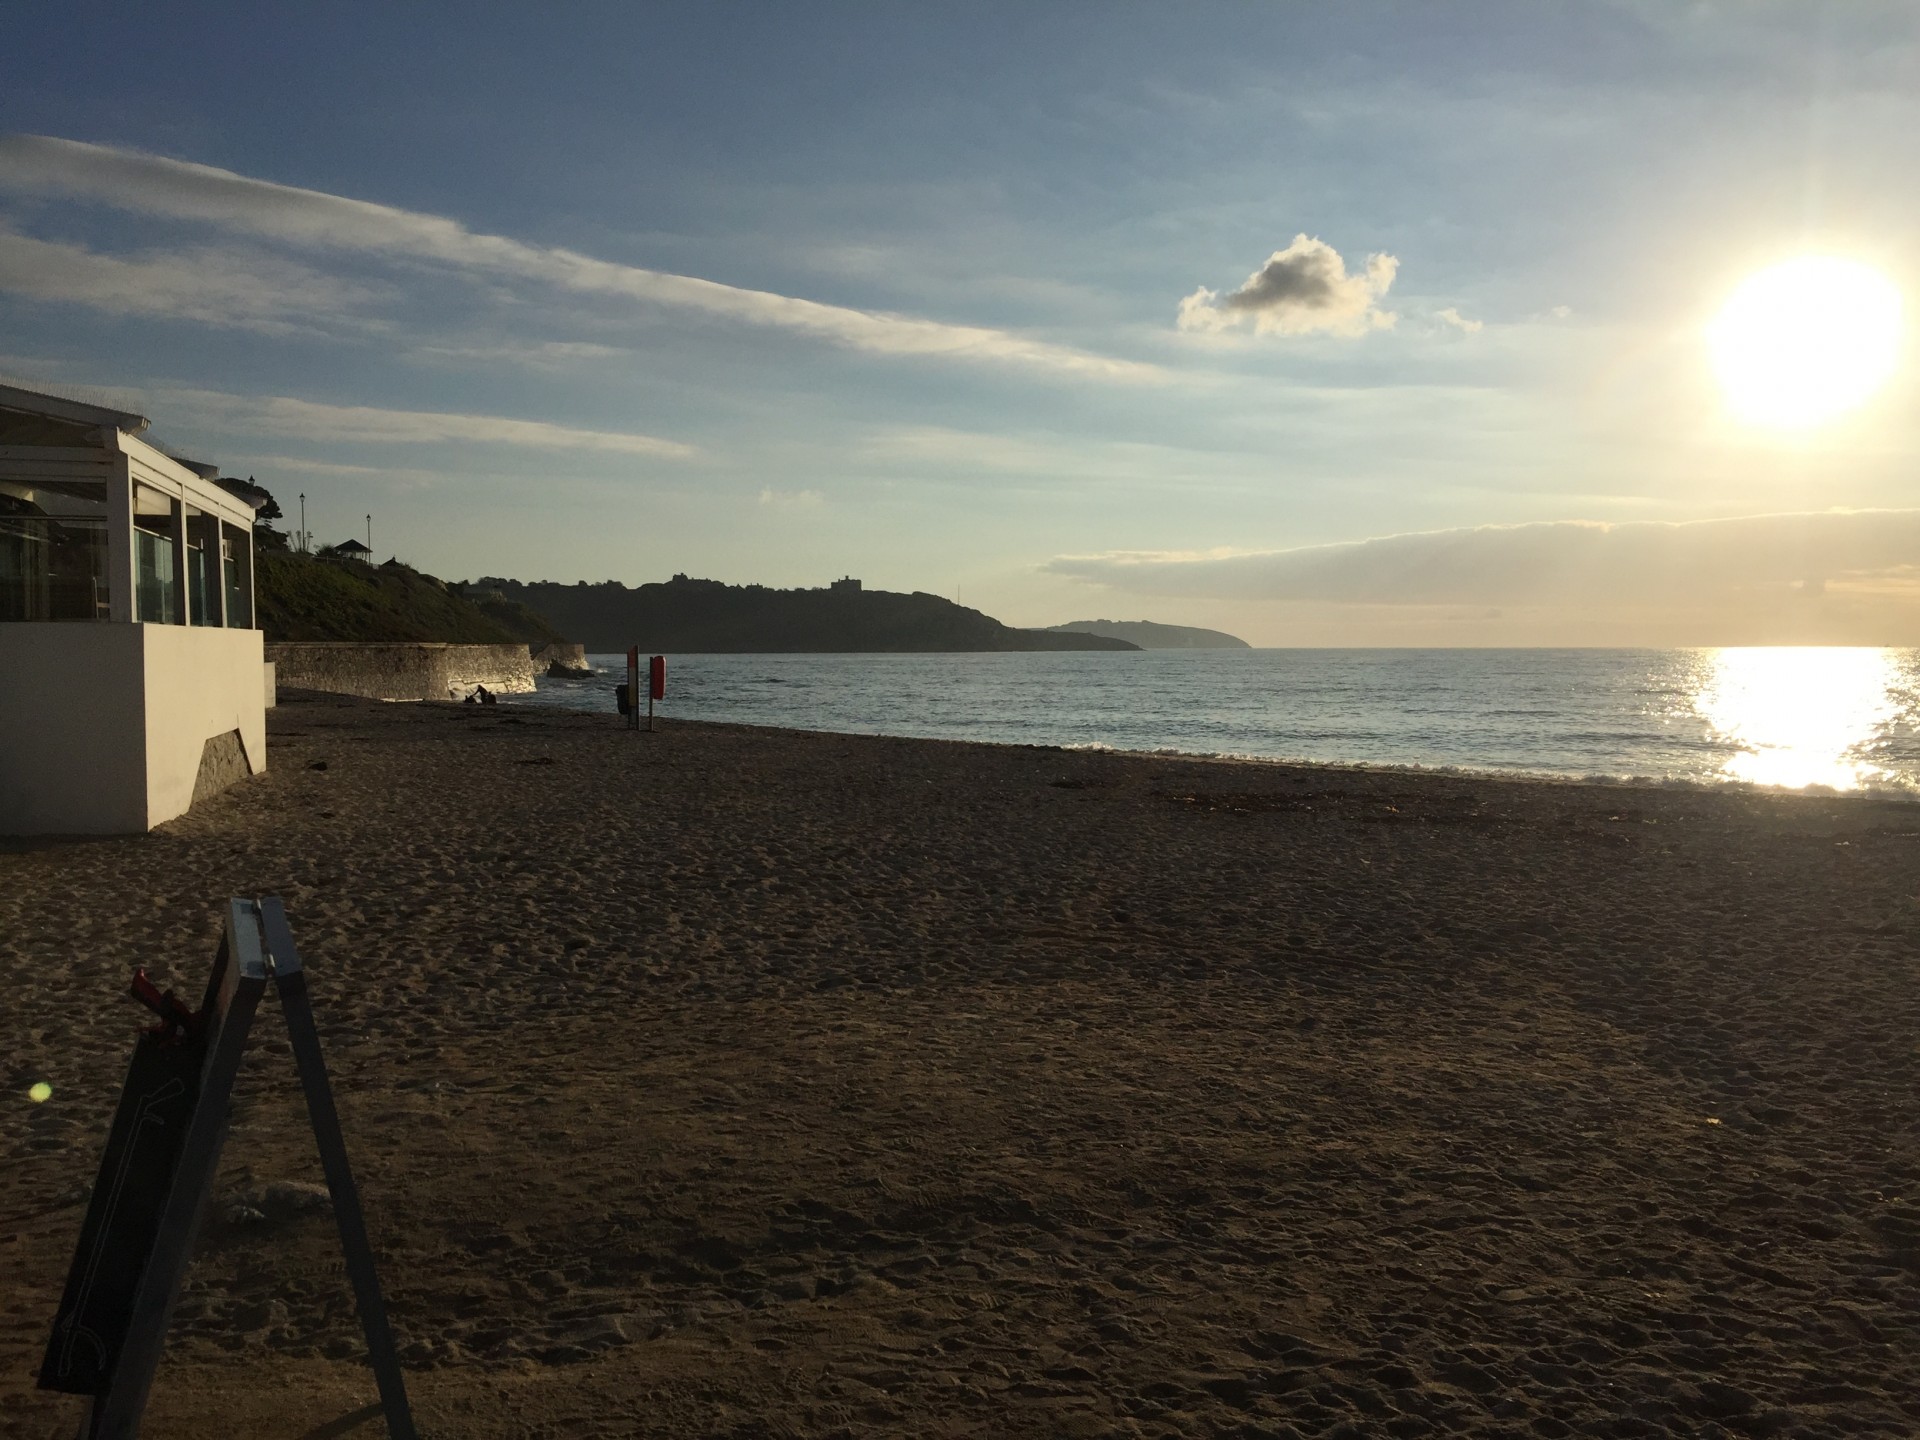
{"type": "Point", "coordinates": [162, 1150]}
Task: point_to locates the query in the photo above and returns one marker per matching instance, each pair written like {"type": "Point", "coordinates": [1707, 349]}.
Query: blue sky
{"type": "Point", "coordinates": [777, 293]}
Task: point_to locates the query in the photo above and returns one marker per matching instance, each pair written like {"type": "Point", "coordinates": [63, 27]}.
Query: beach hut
{"type": "Point", "coordinates": [132, 679]}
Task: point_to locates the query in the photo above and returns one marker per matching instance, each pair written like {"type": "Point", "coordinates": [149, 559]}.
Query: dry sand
{"type": "Point", "coordinates": [735, 1082]}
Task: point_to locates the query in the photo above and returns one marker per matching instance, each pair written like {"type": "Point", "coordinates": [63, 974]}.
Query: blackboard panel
{"type": "Point", "coordinates": [162, 1151]}
{"type": "Point", "coordinates": [136, 1174]}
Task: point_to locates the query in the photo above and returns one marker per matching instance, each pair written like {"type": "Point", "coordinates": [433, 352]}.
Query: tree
{"type": "Point", "coordinates": [266, 512]}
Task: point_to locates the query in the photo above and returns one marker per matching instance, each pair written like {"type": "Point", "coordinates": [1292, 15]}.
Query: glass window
{"type": "Point", "coordinates": [235, 563]}
{"type": "Point", "coordinates": [154, 585]}
{"type": "Point", "coordinates": [51, 567]}
{"type": "Point", "coordinates": [198, 581]}
{"type": "Point", "coordinates": [202, 528]}
{"type": "Point", "coordinates": [156, 569]}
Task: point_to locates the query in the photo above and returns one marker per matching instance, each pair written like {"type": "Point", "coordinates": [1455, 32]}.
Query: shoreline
{"type": "Point", "coordinates": [1893, 793]}
{"type": "Point", "coordinates": [735, 1077]}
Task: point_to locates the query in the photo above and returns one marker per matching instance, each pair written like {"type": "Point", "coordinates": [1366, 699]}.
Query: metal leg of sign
{"type": "Point", "coordinates": [258, 947]}
{"type": "Point", "coordinates": [291, 981]}
{"type": "Point", "coordinates": [236, 991]}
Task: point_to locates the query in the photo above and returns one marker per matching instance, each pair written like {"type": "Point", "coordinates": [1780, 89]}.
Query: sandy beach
{"type": "Point", "coordinates": [733, 1082]}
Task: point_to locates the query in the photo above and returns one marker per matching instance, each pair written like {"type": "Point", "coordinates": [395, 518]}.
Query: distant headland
{"type": "Point", "coordinates": [692, 616]}
{"type": "Point", "coordinates": [1149, 635]}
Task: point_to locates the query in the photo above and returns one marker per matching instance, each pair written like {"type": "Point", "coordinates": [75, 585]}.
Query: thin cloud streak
{"type": "Point", "coordinates": [237, 290]}
{"type": "Point", "coordinates": [308, 420]}
{"type": "Point", "coordinates": [537, 355]}
{"type": "Point", "coordinates": [401, 478]}
{"type": "Point", "coordinates": [184, 190]}
{"type": "Point", "coordinates": [773, 499]}
{"type": "Point", "coordinates": [940, 448]}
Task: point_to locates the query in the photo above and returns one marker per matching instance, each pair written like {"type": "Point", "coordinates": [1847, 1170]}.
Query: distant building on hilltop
{"type": "Point", "coordinates": [847, 583]}
{"type": "Point", "coordinates": [352, 549]}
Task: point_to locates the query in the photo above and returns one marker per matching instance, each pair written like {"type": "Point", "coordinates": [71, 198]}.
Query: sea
{"type": "Point", "coordinates": [1834, 719]}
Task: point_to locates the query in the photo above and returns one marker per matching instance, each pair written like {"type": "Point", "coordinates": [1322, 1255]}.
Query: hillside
{"type": "Point", "coordinates": [1149, 635]}
{"type": "Point", "coordinates": [314, 597]}
{"type": "Point", "coordinates": [707, 616]}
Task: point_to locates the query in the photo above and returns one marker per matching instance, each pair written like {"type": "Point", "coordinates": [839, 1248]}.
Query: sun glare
{"type": "Point", "coordinates": [1797, 716]}
{"type": "Point", "coordinates": [1806, 340]}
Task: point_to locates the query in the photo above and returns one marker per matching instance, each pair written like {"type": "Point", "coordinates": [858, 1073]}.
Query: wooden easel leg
{"type": "Point", "coordinates": [291, 981]}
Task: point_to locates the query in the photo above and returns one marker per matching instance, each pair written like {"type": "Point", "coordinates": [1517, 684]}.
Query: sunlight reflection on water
{"type": "Point", "coordinates": [1844, 719]}
{"type": "Point", "coordinates": [1801, 715]}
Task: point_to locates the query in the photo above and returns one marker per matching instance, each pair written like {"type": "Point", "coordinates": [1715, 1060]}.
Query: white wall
{"type": "Point", "coordinates": [102, 725]}
{"type": "Point", "coordinates": [200, 682]}
{"type": "Point", "coordinates": [72, 720]}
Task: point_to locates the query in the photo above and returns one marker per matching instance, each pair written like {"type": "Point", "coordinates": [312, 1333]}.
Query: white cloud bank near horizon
{"type": "Point", "coordinates": [182, 190]}
{"type": "Point", "coordinates": [1703, 570]}
{"type": "Point", "coordinates": [1302, 290]}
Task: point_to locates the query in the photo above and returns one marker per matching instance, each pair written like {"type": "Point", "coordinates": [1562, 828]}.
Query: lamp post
{"type": "Point", "coordinates": [303, 522]}
{"type": "Point", "coordinates": [369, 539]}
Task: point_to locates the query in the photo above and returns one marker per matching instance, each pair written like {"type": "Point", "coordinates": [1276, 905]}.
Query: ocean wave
{"type": "Point", "coordinates": [1570, 717]}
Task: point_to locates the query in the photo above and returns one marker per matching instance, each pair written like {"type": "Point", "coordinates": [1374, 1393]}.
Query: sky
{"type": "Point", "coordinates": [1357, 324]}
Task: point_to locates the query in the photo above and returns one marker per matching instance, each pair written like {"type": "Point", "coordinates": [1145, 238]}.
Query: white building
{"type": "Point", "coordinates": [131, 679]}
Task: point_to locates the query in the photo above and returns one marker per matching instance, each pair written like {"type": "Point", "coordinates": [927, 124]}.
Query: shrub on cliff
{"type": "Point", "coordinates": [308, 597]}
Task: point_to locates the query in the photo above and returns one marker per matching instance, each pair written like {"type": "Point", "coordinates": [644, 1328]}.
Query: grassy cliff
{"type": "Point", "coordinates": [315, 597]}
{"type": "Point", "coordinates": [707, 617]}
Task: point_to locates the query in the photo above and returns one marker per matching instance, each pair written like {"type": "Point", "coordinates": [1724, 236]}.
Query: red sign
{"type": "Point", "coordinates": [657, 677]}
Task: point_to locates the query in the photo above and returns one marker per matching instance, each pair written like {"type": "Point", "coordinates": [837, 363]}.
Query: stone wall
{"type": "Point", "coordinates": [400, 670]}
{"type": "Point", "coordinates": [561, 658]}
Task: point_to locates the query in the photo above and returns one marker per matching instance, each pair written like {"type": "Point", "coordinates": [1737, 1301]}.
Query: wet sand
{"type": "Point", "coordinates": [729, 1082]}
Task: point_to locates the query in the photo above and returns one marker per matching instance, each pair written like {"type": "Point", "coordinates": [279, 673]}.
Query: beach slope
{"type": "Point", "coordinates": [733, 1082]}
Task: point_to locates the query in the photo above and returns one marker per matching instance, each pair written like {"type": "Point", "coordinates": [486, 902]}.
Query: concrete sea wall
{"type": "Point", "coordinates": [561, 658]}
{"type": "Point", "coordinates": [400, 670]}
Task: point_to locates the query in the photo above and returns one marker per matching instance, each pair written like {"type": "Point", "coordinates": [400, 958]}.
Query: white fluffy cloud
{"type": "Point", "coordinates": [178, 189]}
{"type": "Point", "coordinates": [1453, 317]}
{"type": "Point", "coordinates": [1569, 563]}
{"type": "Point", "coordinates": [1302, 290]}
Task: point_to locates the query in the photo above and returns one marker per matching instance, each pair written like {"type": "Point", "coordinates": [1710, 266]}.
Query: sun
{"type": "Point", "coordinates": [1806, 340]}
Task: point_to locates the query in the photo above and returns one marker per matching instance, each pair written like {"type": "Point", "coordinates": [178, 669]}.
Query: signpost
{"type": "Point", "coordinates": [628, 695]}
{"type": "Point", "coordinates": [162, 1150]}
